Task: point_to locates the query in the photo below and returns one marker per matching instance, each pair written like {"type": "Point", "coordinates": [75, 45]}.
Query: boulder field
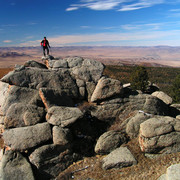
{"type": "Point", "coordinates": [53, 114]}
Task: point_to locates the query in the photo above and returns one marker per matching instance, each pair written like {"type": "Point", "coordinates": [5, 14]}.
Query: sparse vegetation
{"type": "Point", "coordinates": [139, 79]}
{"type": "Point", "coordinates": [175, 91]}
{"type": "Point", "coordinates": [163, 77]}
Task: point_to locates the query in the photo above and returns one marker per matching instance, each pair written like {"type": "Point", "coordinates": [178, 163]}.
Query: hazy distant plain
{"type": "Point", "coordinates": [148, 56]}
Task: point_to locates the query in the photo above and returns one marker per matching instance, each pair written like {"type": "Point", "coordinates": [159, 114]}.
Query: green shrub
{"type": "Point", "coordinates": [175, 91]}
{"type": "Point", "coordinates": [139, 79]}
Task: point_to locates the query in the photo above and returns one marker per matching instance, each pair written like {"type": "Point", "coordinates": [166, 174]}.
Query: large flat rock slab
{"type": "Point", "coordinates": [21, 139]}
{"type": "Point", "coordinates": [36, 78]}
{"type": "Point", "coordinates": [63, 116]}
{"type": "Point", "coordinates": [119, 158]}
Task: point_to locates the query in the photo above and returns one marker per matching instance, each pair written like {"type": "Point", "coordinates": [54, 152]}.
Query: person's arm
{"type": "Point", "coordinates": [48, 44]}
{"type": "Point", "coordinates": [41, 43]}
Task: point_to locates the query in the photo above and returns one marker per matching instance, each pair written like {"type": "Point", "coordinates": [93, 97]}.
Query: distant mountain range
{"type": "Point", "coordinates": [116, 55]}
{"type": "Point", "coordinates": [12, 54]}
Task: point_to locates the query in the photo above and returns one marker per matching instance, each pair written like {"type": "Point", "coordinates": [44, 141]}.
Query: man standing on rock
{"type": "Point", "coordinates": [45, 45]}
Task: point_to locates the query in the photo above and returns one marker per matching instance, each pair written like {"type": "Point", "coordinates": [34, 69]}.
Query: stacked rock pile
{"type": "Point", "coordinates": [47, 124]}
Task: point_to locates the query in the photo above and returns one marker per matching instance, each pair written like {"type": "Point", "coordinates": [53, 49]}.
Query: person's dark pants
{"type": "Point", "coordinates": [45, 49]}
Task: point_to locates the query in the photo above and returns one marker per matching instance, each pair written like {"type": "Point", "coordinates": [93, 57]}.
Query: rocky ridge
{"type": "Point", "coordinates": [55, 114]}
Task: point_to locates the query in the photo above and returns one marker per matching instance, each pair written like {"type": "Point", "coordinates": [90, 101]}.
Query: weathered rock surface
{"type": "Point", "coordinates": [38, 78]}
{"type": "Point", "coordinates": [119, 158]}
{"type": "Point", "coordinates": [50, 160]}
{"type": "Point", "coordinates": [3, 93]}
{"type": "Point", "coordinates": [61, 136]}
{"type": "Point", "coordinates": [90, 87]}
{"type": "Point", "coordinates": [172, 173]}
{"type": "Point", "coordinates": [63, 116]}
{"type": "Point", "coordinates": [106, 112]}
{"type": "Point", "coordinates": [56, 97]}
{"type": "Point", "coordinates": [133, 125]}
{"type": "Point", "coordinates": [75, 61]}
{"type": "Point", "coordinates": [20, 114]}
{"type": "Point", "coordinates": [20, 95]}
{"type": "Point", "coordinates": [14, 166]}
{"type": "Point", "coordinates": [109, 110]}
{"type": "Point", "coordinates": [160, 134]}
{"type": "Point", "coordinates": [48, 57]}
{"type": "Point", "coordinates": [35, 64]}
{"type": "Point", "coordinates": [60, 64]}
{"type": "Point", "coordinates": [163, 96]}
{"type": "Point", "coordinates": [88, 70]}
{"type": "Point", "coordinates": [109, 141]}
{"type": "Point", "coordinates": [106, 88]}
{"type": "Point", "coordinates": [21, 139]}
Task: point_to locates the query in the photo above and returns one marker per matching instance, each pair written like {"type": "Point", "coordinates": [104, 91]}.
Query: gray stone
{"type": "Point", "coordinates": [82, 92]}
{"type": "Point", "coordinates": [74, 61]}
{"type": "Point", "coordinates": [56, 97]}
{"type": "Point", "coordinates": [60, 64]}
{"type": "Point", "coordinates": [106, 112]}
{"type": "Point", "coordinates": [109, 141]}
{"type": "Point", "coordinates": [20, 95]}
{"type": "Point", "coordinates": [173, 172]}
{"type": "Point", "coordinates": [156, 126]}
{"type": "Point", "coordinates": [90, 87]}
{"type": "Point", "coordinates": [119, 158]}
{"type": "Point", "coordinates": [4, 87]}
{"type": "Point", "coordinates": [38, 78]}
{"type": "Point", "coordinates": [48, 57]}
{"type": "Point", "coordinates": [52, 159]}
{"type": "Point", "coordinates": [166, 143]}
{"type": "Point", "coordinates": [61, 136]}
{"type": "Point", "coordinates": [63, 116]}
{"type": "Point", "coordinates": [49, 63]}
{"type": "Point", "coordinates": [80, 83]}
{"type": "Point", "coordinates": [133, 125]}
{"type": "Point", "coordinates": [15, 166]}
{"type": "Point", "coordinates": [160, 134]}
{"type": "Point", "coordinates": [20, 114]}
{"type": "Point", "coordinates": [106, 88]}
{"type": "Point", "coordinates": [2, 119]}
{"type": "Point", "coordinates": [89, 71]}
{"type": "Point", "coordinates": [35, 64]}
{"type": "Point", "coordinates": [155, 106]}
{"type": "Point", "coordinates": [177, 106]}
{"type": "Point", "coordinates": [163, 96]}
{"type": "Point", "coordinates": [23, 138]}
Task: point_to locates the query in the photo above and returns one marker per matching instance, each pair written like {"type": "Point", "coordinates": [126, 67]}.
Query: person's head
{"type": "Point", "coordinates": [44, 38]}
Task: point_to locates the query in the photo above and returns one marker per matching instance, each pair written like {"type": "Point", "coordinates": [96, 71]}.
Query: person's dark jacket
{"type": "Point", "coordinates": [45, 43]}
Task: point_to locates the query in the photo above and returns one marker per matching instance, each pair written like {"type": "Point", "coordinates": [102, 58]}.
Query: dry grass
{"type": "Point", "coordinates": [146, 168]}
{"type": "Point", "coordinates": [4, 71]}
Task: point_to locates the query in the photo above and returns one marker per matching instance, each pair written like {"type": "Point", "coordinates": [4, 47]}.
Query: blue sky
{"type": "Point", "coordinates": [90, 22]}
